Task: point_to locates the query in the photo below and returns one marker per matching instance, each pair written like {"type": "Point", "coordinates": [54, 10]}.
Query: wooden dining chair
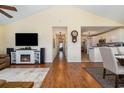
{"type": "Point", "coordinates": [110, 63]}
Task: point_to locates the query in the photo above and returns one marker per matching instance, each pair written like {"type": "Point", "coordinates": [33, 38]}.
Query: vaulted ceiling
{"type": "Point", "coordinates": [23, 11]}
{"type": "Point", "coordinates": [113, 12]}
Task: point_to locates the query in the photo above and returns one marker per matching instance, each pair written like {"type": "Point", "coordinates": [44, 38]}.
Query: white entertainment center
{"type": "Point", "coordinates": [25, 57]}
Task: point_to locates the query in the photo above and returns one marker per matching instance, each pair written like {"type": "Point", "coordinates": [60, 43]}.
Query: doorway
{"type": "Point", "coordinates": [59, 42]}
{"type": "Point", "coordinates": [93, 37]}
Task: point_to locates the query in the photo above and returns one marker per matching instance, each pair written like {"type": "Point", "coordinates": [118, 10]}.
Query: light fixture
{"type": "Point", "coordinates": [89, 35]}
{"type": "Point", "coordinates": [60, 37]}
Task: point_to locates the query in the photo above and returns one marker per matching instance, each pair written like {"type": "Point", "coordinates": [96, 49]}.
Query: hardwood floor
{"type": "Point", "coordinates": [68, 75]}
{"type": "Point", "coordinates": [31, 65]}
{"type": "Point", "coordinates": [85, 57]}
{"type": "Point", "coordinates": [91, 64]}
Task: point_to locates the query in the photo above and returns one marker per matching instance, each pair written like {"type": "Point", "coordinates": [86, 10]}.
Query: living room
{"type": "Point", "coordinates": [40, 21]}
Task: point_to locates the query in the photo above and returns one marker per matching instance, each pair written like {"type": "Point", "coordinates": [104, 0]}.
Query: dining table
{"type": "Point", "coordinates": [120, 58]}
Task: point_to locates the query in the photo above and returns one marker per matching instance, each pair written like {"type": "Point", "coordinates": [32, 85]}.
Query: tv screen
{"type": "Point", "coordinates": [26, 39]}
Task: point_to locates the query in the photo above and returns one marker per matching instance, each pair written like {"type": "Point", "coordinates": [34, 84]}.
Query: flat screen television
{"type": "Point", "coordinates": [26, 39]}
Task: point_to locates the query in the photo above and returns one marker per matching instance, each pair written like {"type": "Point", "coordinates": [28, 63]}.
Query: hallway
{"type": "Point", "coordinates": [68, 75]}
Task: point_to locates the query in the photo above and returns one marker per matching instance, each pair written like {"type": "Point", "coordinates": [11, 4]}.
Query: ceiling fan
{"type": "Point", "coordinates": [11, 8]}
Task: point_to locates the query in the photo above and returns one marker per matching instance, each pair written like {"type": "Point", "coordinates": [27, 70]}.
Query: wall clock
{"type": "Point", "coordinates": [74, 35]}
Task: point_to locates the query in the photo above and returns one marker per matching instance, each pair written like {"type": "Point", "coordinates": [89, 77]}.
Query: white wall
{"type": "Point", "coordinates": [55, 43]}
{"type": "Point", "coordinates": [42, 23]}
{"type": "Point", "coordinates": [2, 40]}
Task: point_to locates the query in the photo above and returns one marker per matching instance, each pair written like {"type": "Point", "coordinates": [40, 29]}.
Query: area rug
{"type": "Point", "coordinates": [97, 73]}
{"type": "Point", "coordinates": [35, 75]}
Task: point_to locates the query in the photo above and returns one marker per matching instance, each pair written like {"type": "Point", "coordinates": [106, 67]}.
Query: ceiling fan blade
{"type": "Point", "coordinates": [8, 7]}
{"type": "Point", "coordinates": [6, 14]}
